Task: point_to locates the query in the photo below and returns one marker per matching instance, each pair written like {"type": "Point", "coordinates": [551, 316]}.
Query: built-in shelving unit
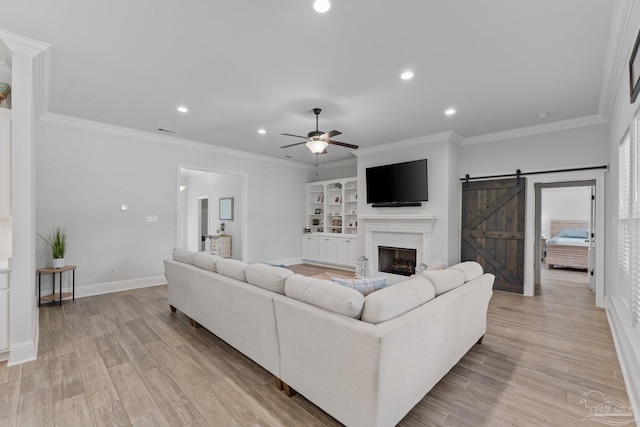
{"type": "Point", "coordinates": [332, 217]}
{"type": "Point", "coordinates": [333, 206]}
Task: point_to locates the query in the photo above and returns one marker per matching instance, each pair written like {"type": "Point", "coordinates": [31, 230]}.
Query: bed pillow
{"type": "Point", "coordinates": [575, 233]}
{"type": "Point", "coordinates": [364, 285]}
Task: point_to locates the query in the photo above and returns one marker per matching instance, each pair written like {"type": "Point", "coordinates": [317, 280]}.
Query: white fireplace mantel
{"type": "Point", "coordinates": [406, 231]}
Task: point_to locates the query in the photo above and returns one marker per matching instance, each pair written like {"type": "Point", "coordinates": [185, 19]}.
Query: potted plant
{"type": "Point", "coordinates": [58, 244]}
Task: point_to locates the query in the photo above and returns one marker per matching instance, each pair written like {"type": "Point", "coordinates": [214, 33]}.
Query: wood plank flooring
{"type": "Point", "coordinates": [124, 360]}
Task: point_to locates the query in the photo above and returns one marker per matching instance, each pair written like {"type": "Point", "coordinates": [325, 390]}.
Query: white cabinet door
{"type": "Point", "coordinates": [347, 250]}
{"type": "Point", "coordinates": [5, 166]}
{"type": "Point", "coordinates": [310, 248]}
{"type": "Point", "coordinates": [4, 319]}
{"type": "Point", "coordinates": [328, 250]}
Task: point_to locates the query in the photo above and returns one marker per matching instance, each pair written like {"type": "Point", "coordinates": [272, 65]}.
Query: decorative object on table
{"type": "Point", "coordinates": [421, 267]}
{"type": "Point", "coordinates": [307, 230]}
{"type": "Point", "coordinates": [5, 90]}
{"type": "Point", "coordinates": [634, 71]}
{"type": "Point", "coordinates": [318, 211]}
{"type": "Point", "coordinates": [316, 222]}
{"type": "Point", "coordinates": [362, 266]}
{"type": "Point", "coordinates": [225, 206]}
{"type": "Point", "coordinates": [58, 244]}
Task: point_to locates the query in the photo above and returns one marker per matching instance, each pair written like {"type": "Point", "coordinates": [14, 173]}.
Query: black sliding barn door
{"type": "Point", "coordinates": [493, 229]}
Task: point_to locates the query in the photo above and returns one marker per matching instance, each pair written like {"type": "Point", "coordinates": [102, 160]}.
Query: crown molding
{"type": "Point", "coordinates": [337, 164]}
{"type": "Point", "coordinates": [536, 130]}
{"type": "Point", "coordinates": [624, 27]}
{"type": "Point", "coordinates": [169, 140]}
{"type": "Point", "coordinates": [450, 136]}
{"type": "Point", "coordinates": [23, 45]}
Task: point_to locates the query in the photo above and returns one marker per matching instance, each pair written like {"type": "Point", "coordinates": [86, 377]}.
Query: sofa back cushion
{"type": "Point", "coordinates": [206, 261]}
{"type": "Point", "coordinates": [444, 280]}
{"type": "Point", "coordinates": [471, 269]}
{"type": "Point", "coordinates": [397, 299]}
{"type": "Point", "coordinates": [268, 277]}
{"type": "Point", "coordinates": [325, 294]}
{"type": "Point", "coordinates": [183, 255]}
{"type": "Point", "coordinates": [364, 285]}
{"type": "Point", "coordinates": [232, 268]}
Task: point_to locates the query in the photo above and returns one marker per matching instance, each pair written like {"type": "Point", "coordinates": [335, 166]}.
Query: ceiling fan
{"type": "Point", "coordinates": [317, 141]}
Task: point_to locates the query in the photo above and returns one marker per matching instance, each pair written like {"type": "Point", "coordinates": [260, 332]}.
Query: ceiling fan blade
{"type": "Point", "coordinates": [297, 136]}
{"type": "Point", "coordinates": [331, 134]}
{"type": "Point", "coordinates": [343, 144]}
{"type": "Point", "coordinates": [292, 145]}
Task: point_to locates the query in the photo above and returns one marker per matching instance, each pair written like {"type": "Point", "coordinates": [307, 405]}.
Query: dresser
{"type": "Point", "coordinates": [220, 244]}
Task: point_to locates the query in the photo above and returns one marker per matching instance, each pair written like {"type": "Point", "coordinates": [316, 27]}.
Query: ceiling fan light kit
{"type": "Point", "coordinates": [317, 146]}
{"type": "Point", "coordinates": [321, 6]}
{"type": "Point", "coordinates": [317, 141]}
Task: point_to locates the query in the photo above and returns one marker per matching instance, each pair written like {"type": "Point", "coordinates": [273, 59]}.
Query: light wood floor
{"type": "Point", "coordinates": [124, 359]}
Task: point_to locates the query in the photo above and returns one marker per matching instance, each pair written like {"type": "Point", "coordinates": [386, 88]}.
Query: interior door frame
{"type": "Point", "coordinates": [533, 225]}
{"type": "Point", "coordinates": [242, 217]}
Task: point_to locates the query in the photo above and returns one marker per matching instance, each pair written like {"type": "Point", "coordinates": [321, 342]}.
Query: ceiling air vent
{"type": "Point", "coordinates": [166, 130]}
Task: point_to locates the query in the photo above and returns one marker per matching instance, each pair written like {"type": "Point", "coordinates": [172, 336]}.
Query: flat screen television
{"type": "Point", "coordinates": [398, 184]}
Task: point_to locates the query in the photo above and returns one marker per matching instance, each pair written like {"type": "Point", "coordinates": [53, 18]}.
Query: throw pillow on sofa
{"type": "Point", "coordinates": [364, 285]}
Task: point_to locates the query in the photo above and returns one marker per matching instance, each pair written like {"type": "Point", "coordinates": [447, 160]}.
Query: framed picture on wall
{"type": "Point", "coordinates": [634, 71]}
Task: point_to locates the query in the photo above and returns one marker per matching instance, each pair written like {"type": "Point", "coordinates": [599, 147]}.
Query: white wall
{"type": "Point", "coordinates": [570, 148]}
{"type": "Point", "coordinates": [569, 203]}
{"type": "Point", "coordinates": [85, 171]}
{"type": "Point", "coordinates": [444, 197]}
{"type": "Point", "coordinates": [336, 170]}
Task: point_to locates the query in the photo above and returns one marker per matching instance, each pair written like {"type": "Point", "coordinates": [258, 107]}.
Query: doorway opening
{"type": "Point", "coordinates": [211, 206]}
{"type": "Point", "coordinates": [565, 237]}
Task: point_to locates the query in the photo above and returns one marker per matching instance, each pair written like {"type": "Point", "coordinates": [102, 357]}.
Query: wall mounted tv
{"type": "Point", "coordinates": [398, 184]}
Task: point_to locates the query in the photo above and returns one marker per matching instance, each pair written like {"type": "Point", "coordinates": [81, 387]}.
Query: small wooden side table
{"type": "Point", "coordinates": [53, 297]}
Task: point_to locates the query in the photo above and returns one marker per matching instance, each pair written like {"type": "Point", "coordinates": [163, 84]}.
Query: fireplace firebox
{"type": "Point", "coordinates": [400, 261]}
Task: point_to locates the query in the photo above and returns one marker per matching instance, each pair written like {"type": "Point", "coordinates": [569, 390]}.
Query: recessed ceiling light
{"type": "Point", "coordinates": [450, 111]}
{"type": "Point", "coordinates": [262, 131]}
{"type": "Point", "coordinates": [542, 115]}
{"type": "Point", "coordinates": [321, 6]}
{"type": "Point", "coordinates": [182, 109]}
{"type": "Point", "coordinates": [406, 75]}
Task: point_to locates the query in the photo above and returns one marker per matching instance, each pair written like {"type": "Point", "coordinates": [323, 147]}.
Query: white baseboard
{"type": "Point", "coordinates": [627, 341]}
{"type": "Point", "coordinates": [23, 352]}
{"type": "Point", "coordinates": [124, 285]}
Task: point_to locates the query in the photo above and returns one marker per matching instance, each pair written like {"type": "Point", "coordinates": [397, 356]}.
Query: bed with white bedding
{"type": "Point", "coordinates": [569, 246]}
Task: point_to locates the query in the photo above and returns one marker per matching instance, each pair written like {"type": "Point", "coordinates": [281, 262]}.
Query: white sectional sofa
{"type": "Point", "coordinates": [366, 361]}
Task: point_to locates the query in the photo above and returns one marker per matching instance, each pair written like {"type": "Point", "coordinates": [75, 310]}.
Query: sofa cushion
{"type": "Point", "coordinates": [364, 285]}
{"type": "Point", "coordinates": [206, 261]}
{"type": "Point", "coordinates": [325, 294]}
{"type": "Point", "coordinates": [444, 280]}
{"type": "Point", "coordinates": [268, 277]}
{"type": "Point", "coordinates": [232, 268]}
{"type": "Point", "coordinates": [183, 255]}
{"type": "Point", "coordinates": [397, 299]}
{"type": "Point", "coordinates": [471, 270]}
